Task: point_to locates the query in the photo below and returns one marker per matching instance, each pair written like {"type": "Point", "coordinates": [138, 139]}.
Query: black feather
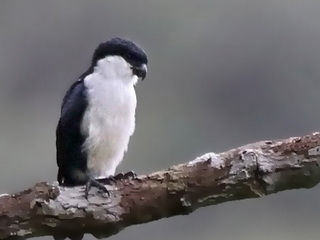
{"type": "Point", "coordinates": [71, 159]}
{"type": "Point", "coordinates": [120, 47]}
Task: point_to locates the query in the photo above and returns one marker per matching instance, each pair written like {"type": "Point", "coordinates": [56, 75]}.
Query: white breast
{"type": "Point", "coordinates": [109, 120]}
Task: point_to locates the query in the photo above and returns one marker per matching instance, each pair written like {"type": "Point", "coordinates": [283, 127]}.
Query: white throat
{"type": "Point", "coordinates": [116, 68]}
{"type": "Point", "coordinates": [109, 120]}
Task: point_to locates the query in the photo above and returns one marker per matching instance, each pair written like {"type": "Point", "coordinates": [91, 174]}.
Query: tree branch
{"type": "Point", "coordinates": [250, 171]}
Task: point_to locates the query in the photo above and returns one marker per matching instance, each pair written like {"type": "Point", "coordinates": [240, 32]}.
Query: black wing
{"type": "Point", "coordinates": [69, 139]}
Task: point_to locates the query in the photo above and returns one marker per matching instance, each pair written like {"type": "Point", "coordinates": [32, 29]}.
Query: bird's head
{"type": "Point", "coordinates": [120, 59]}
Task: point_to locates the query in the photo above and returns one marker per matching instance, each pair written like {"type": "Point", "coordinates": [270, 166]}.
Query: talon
{"type": "Point", "coordinates": [93, 182]}
{"type": "Point", "coordinates": [108, 181]}
{"type": "Point", "coordinates": [112, 179]}
{"type": "Point", "coordinates": [119, 176]}
{"type": "Point", "coordinates": [127, 175]}
{"type": "Point", "coordinates": [132, 174]}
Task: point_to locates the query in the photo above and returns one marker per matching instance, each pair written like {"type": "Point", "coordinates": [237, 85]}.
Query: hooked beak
{"type": "Point", "coordinates": [140, 71]}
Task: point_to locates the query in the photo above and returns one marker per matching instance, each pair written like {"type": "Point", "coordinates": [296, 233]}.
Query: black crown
{"type": "Point", "coordinates": [120, 47]}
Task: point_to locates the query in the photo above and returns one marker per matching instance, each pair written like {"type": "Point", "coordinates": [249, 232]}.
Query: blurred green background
{"type": "Point", "coordinates": [222, 73]}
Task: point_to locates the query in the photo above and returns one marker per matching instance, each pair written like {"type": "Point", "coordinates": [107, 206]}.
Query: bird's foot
{"type": "Point", "coordinates": [120, 176]}
{"type": "Point", "coordinates": [123, 176]}
{"type": "Point", "coordinates": [93, 182]}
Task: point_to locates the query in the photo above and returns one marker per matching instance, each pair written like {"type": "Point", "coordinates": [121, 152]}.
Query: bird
{"type": "Point", "coordinates": [97, 115]}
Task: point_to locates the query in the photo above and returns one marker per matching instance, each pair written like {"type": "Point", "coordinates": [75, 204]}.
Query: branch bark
{"type": "Point", "coordinates": [250, 171]}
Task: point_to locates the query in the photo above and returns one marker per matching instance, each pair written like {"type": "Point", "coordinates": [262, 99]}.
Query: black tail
{"type": "Point", "coordinates": [60, 177]}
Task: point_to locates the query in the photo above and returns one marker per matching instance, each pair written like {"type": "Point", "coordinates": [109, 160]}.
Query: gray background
{"type": "Point", "coordinates": [222, 73]}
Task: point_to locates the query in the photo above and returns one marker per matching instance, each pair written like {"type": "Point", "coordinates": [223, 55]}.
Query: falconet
{"type": "Point", "coordinates": [98, 115]}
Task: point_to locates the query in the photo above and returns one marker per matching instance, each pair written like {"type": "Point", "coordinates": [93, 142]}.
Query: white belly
{"type": "Point", "coordinates": [108, 124]}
